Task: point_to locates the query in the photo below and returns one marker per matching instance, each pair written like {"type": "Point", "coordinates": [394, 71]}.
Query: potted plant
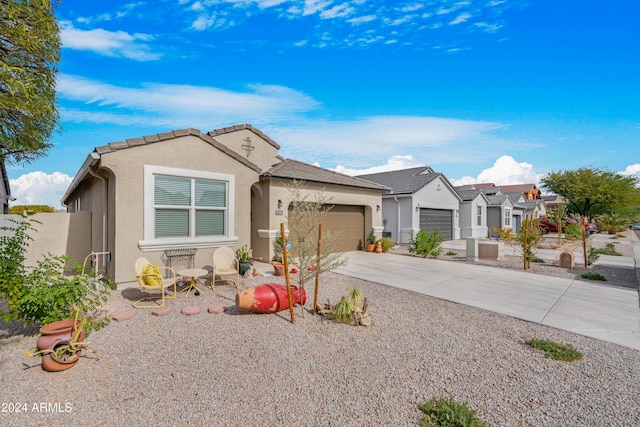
{"type": "Point", "coordinates": [371, 241]}
{"type": "Point", "coordinates": [386, 244]}
{"type": "Point", "coordinates": [64, 354]}
{"type": "Point", "coordinates": [245, 258]}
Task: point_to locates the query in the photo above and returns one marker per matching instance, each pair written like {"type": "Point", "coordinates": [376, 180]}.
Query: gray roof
{"type": "Point", "coordinates": [293, 169]}
{"type": "Point", "coordinates": [467, 193]}
{"type": "Point", "coordinates": [496, 199]}
{"type": "Point", "coordinates": [406, 181]}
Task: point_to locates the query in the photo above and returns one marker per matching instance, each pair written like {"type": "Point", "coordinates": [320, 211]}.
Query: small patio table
{"type": "Point", "coordinates": [193, 273]}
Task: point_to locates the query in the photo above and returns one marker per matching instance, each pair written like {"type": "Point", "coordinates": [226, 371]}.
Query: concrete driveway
{"type": "Point", "coordinates": [599, 311]}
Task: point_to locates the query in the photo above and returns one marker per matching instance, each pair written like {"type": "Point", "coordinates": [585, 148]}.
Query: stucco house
{"type": "Point", "coordinates": [473, 212]}
{"type": "Point", "coordinates": [189, 189]}
{"type": "Point", "coordinates": [419, 199]}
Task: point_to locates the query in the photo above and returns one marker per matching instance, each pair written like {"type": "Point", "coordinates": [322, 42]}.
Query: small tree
{"type": "Point", "coordinates": [427, 245]}
{"type": "Point", "coordinates": [303, 221]}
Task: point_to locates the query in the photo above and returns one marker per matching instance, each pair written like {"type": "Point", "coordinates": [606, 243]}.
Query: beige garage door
{"type": "Point", "coordinates": [348, 223]}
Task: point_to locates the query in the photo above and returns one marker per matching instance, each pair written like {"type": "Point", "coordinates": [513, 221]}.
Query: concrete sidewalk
{"type": "Point", "coordinates": [599, 311]}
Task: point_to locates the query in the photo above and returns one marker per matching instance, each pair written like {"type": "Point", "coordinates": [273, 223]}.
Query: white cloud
{"type": "Point", "coordinates": [463, 17]}
{"type": "Point", "coordinates": [338, 11]}
{"type": "Point", "coordinates": [394, 163]}
{"type": "Point", "coordinates": [505, 171]}
{"type": "Point", "coordinates": [632, 170]}
{"type": "Point", "coordinates": [179, 105]}
{"type": "Point", "coordinates": [108, 43]}
{"type": "Point", "coordinates": [39, 188]}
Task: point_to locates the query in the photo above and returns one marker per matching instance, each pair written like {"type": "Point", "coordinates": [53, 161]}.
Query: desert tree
{"type": "Point", "coordinates": [29, 54]}
{"type": "Point", "coordinates": [308, 210]}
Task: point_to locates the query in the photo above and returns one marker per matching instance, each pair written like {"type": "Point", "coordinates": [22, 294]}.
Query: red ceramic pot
{"type": "Point", "coordinates": [269, 298]}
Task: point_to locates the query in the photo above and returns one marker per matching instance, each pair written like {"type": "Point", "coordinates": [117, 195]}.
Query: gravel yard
{"type": "Point", "coordinates": [244, 369]}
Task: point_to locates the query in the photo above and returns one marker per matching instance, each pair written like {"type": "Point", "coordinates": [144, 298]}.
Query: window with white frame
{"type": "Point", "coordinates": [507, 217]}
{"type": "Point", "coordinates": [187, 208]}
{"type": "Point", "coordinates": [479, 215]}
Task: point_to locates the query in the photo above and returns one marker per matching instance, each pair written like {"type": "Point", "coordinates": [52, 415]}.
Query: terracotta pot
{"type": "Point", "coordinates": [56, 332]}
{"type": "Point", "coordinates": [278, 267]}
{"type": "Point", "coordinates": [378, 248]}
{"type": "Point", "coordinates": [51, 363]}
{"type": "Point", "coordinates": [371, 247]}
{"type": "Point", "coordinates": [269, 298]}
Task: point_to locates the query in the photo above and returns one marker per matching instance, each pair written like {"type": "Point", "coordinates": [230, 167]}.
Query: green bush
{"type": "Point", "coordinates": [556, 351]}
{"type": "Point", "coordinates": [594, 276]}
{"type": "Point", "coordinates": [609, 249]}
{"type": "Point", "coordinates": [428, 245]}
{"type": "Point", "coordinates": [386, 244]}
{"type": "Point", "coordinates": [44, 293]}
{"type": "Point", "coordinates": [371, 237]}
{"type": "Point", "coordinates": [573, 232]}
{"type": "Point", "coordinates": [445, 411]}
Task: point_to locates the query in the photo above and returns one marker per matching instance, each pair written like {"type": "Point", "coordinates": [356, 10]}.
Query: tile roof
{"type": "Point", "coordinates": [406, 181]}
{"type": "Point", "coordinates": [467, 194]}
{"type": "Point", "coordinates": [294, 169]}
{"type": "Point", "coordinates": [150, 139]}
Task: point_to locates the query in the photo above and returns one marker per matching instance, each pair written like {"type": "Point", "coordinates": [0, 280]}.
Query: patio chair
{"type": "Point", "coordinates": [150, 278]}
{"type": "Point", "coordinates": [225, 266]}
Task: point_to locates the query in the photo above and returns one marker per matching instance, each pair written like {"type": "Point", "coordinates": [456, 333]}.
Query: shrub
{"type": "Point", "coordinates": [44, 293]}
{"type": "Point", "coordinates": [451, 253]}
{"type": "Point", "coordinates": [386, 244]}
{"type": "Point", "coordinates": [573, 232]}
{"type": "Point", "coordinates": [594, 276]}
{"type": "Point", "coordinates": [445, 411]}
{"type": "Point", "coordinates": [609, 249]}
{"type": "Point", "coordinates": [556, 351]}
{"type": "Point", "coordinates": [592, 255]}
{"type": "Point", "coordinates": [426, 244]}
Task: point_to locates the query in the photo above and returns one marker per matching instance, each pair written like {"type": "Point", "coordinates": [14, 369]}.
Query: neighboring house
{"type": "Point", "coordinates": [473, 212]}
{"type": "Point", "coordinates": [189, 189]}
{"type": "Point", "coordinates": [552, 201]}
{"type": "Point", "coordinates": [528, 191]}
{"type": "Point", "coordinates": [534, 208]}
{"type": "Point", "coordinates": [5, 190]}
{"type": "Point", "coordinates": [500, 210]}
{"type": "Point", "coordinates": [420, 199]}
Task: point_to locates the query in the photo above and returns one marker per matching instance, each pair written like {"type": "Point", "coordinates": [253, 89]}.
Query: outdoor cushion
{"type": "Point", "coordinates": [151, 275]}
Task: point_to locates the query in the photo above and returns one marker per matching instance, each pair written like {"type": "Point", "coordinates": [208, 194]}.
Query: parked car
{"type": "Point", "coordinates": [551, 227]}
{"type": "Point", "coordinates": [635, 226]}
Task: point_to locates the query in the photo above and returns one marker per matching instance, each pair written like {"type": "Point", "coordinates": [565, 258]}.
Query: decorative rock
{"type": "Point", "coordinates": [124, 315]}
{"type": "Point", "coordinates": [162, 311]}
{"type": "Point", "coordinates": [191, 310]}
{"type": "Point", "coordinates": [365, 321]}
{"type": "Point", "coordinates": [567, 260]}
{"type": "Point", "coordinates": [216, 309]}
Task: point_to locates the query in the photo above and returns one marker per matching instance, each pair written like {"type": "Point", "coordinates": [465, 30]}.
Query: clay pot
{"type": "Point", "coordinates": [269, 298]}
{"type": "Point", "coordinates": [278, 267]}
{"type": "Point", "coordinates": [371, 247]}
{"type": "Point", "coordinates": [51, 363]}
{"type": "Point", "coordinates": [55, 332]}
{"type": "Point", "coordinates": [378, 248]}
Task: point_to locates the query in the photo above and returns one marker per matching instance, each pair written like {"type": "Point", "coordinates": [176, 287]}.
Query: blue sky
{"type": "Point", "coordinates": [498, 91]}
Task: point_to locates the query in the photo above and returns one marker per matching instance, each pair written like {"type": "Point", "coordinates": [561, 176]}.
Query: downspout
{"type": "Point", "coordinates": [105, 200]}
{"type": "Point", "coordinates": [398, 221]}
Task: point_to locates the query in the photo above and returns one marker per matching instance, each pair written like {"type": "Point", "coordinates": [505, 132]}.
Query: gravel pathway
{"type": "Point", "coordinates": [244, 369]}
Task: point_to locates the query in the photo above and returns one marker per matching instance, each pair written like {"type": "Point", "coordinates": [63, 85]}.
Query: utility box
{"type": "Point", "coordinates": [472, 249]}
{"type": "Point", "coordinates": [567, 260]}
{"type": "Point", "coordinates": [488, 250]}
